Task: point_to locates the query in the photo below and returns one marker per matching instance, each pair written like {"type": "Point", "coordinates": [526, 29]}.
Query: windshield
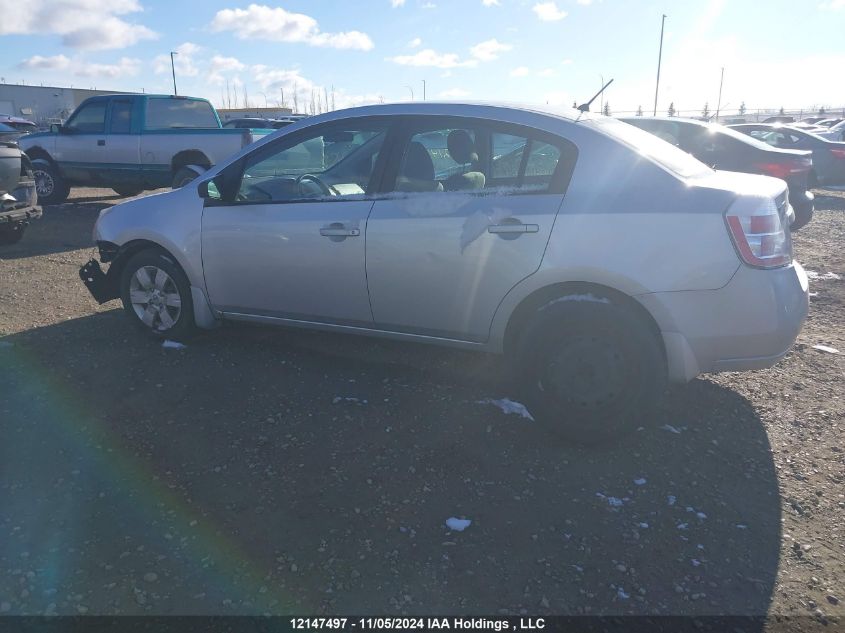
{"type": "Point", "coordinates": [664, 154]}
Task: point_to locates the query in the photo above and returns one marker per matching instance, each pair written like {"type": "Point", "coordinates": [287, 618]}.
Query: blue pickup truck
{"type": "Point", "coordinates": [131, 143]}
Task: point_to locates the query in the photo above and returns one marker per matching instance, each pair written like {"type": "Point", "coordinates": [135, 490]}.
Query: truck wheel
{"type": "Point", "coordinates": [156, 295]}
{"type": "Point", "coordinates": [591, 370]}
{"type": "Point", "coordinates": [182, 177]}
{"type": "Point", "coordinates": [127, 191]}
{"type": "Point", "coordinates": [11, 233]}
{"type": "Point", "coordinates": [49, 184]}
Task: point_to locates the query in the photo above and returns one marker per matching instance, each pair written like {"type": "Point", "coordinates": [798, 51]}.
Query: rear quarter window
{"type": "Point", "coordinates": [659, 151]}
{"type": "Point", "coordinates": [164, 114]}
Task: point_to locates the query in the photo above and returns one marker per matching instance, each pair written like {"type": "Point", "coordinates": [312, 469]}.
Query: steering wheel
{"type": "Point", "coordinates": [324, 188]}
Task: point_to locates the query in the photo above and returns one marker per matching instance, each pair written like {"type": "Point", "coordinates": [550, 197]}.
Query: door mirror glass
{"type": "Point", "coordinates": [208, 190]}
{"type": "Point", "coordinates": [55, 128]}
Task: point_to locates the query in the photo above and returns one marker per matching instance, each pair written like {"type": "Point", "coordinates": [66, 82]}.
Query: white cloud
{"type": "Point", "coordinates": [491, 3]}
{"type": "Point", "coordinates": [454, 93]}
{"type": "Point", "coordinates": [548, 11]}
{"type": "Point", "coordinates": [566, 62]}
{"type": "Point", "coordinates": [82, 24]}
{"type": "Point", "coordinates": [521, 71]}
{"type": "Point", "coordinates": [220, 63]}
{"type": "Point", "coordinates": [428, 5]}
{"type": "Point", "coordinates": [259, 21]}
{"type": "Point", "coordinates": [37, 62]}
{"type": "Point", "coordinates": [183, 61]}
{"type": "Point", "coordinates": [430, 57]}
{"type": "Point", "coordinates": [415, 43]}
{"type": "Point", "coordinates": [833, 5]}
{"type": "Point", "coordinates": [489, 50]}
{"type": "Point", "coordinates": [124, 67]}
{"type": "Point", "coordinates": [585, 2]}
{"type": "Point", "coordinates": [397, 3]}
{"type": "Point", "coordinates": [547, 72]}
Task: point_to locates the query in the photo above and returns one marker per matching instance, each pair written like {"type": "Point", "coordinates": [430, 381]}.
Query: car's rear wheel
{"type": "Point", "coordinates": [591, 370]}
{"type": "Point", "coordinates": [49, 184]}
{"type": "Point", "coordinates": [156, 295]}
{"type": "Point", "coordinates": [127, 191]}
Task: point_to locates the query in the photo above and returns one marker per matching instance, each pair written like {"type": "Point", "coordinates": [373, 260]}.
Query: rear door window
{"type": "Point", "coordinates": [481, 157]}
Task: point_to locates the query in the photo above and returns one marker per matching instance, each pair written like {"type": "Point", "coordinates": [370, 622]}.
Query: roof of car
{"type": "Point", "coordinates": [447, 107]}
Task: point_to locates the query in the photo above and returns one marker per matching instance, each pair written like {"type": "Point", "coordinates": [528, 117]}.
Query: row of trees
{"type": "Point", "coordinates": [705, 111]}
{"type": "Point", "coordinates": [319, 102]}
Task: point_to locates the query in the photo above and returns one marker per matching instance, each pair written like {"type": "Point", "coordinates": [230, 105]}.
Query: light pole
{"type": "Point", "coordinates": [412, 92]}
{"type": "Point", "coordinates": [719, 103]}
{"type": "Point", "coordinates": [423, 89]}
{"type": "Point", "coordinates": [601, 107]}
{"type": "Point", "coordinates": [659, 59]}
{"type": "Point", "coordinates": [173, 70]}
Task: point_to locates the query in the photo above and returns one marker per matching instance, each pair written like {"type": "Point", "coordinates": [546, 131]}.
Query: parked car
{"type": "Point", "coordinates": [25, 126]}
{"type": "Point", "coordinates": [130, 143]}
{"type": "Point", "coordinates": [598, 259]}
{"type": "Point", "coordinates": [257, 124]}
{"type": "Point", "coordinates": [726, 149]}
{"type": "Point", "coordinates": [828, 156]}
{"type": "Point", "coordinates": [829, 122]}
{"type": "Point", "coordinates": [810, 120]}
{"type": "Point", "coordinates": [18, 197]}
{"type": "Point", "coordinates": [779, 119]}
{"type": "Point", "coordinates": [835, 132]}
{"type": "Point", "coordinates": [8, 133]}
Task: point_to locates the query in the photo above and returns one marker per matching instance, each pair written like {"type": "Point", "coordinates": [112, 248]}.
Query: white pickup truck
{"type": "Point", "coordinates": [131, 143]}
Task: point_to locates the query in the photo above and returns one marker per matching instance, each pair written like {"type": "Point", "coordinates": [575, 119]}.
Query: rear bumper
{"type": "Point", "coordinates": [751, 323]}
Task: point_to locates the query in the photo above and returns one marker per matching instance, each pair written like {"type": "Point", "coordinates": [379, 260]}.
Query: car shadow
{"type": "Point", "coordinates": [61, 228]}
{"type": "Point", "coordinates": [273, 471]}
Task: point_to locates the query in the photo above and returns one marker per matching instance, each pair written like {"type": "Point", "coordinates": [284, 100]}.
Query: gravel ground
{"type": "Point", "coordinates": [272, 471]}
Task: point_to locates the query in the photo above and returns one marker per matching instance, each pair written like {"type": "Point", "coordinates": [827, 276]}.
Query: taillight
{"type": "Point", "coordinates": [838, 153]}
{"type": "Point", "coordinates": [761, 239]}
{"type": "Point", "coordinates": [785, 168]}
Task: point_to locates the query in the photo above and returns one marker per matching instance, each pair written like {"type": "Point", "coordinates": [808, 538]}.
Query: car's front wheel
{"type": "Point", "coordinates": [49, 184]}
{"type": "Point", "coordinates": [591, 370]}
{"type": "Point", "coordinates": [156, 295]}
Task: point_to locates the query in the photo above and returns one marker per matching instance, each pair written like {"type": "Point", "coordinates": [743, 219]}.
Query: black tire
{"type": "Point", "coordinates": [49, 184]}
{"type": "Point", "coordinates": [127, 191]}
{"type": "Point", "coordinates": [182, 320]}
{"type": "Point", "coordinates": [11, 233]}
{"type": "Point", "coordinates": [802, 219]}
{"type": "Point", "coordinates": [590, 370]}
{"type": "Point", "coordinates": [182, 177]}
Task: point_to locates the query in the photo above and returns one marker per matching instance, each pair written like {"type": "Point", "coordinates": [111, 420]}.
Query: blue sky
{"type": "Point", "coordinates": [544, 51]}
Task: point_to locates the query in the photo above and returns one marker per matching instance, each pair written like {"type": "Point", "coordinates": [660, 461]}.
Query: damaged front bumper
{"type": "Point", "coordinates": [103, 286]}
{"type": "Point", "coordinates": [17, 209]}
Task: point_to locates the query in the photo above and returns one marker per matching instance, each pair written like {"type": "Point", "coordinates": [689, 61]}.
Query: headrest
{"type": "Point", "coordinates": [461, 147]}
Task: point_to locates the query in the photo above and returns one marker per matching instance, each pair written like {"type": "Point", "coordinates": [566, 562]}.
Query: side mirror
{"type": "Point", "coordinates": [55, 128]}
{"type": "Point", "coordinates": [207, 190]}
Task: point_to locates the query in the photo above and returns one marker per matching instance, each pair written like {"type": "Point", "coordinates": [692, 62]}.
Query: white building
{"type": "Point", "coordinates": [44, 104]}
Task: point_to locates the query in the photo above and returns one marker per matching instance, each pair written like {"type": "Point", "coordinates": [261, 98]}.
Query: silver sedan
{"type": "Point", "coordinates": [599, 259]}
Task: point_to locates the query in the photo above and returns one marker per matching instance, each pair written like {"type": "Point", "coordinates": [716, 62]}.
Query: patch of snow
{"type": "Point", "coordinates": [620, 592]}
{"type": "Point", "coordinates": [671, 429]}
{"type": "Point", "coordinates": [457, 525]}
{"type": "Point", "coordinates": [812, 274]}
{"type": "Point", "coordinates": [643, 525]}
{"type": "Point", "coordinates": [741, 526]}
{"type": "Point", "coordinates": [683, 526]}
{"type": "Point", "coordinates": [640, 481]}
{"type": "Point", "coordinates": [614, 502]}
{"type": "Point", "coordinates": [695, 563]}
{"type": "Point", "coordinates": [671, 500]}
{"type": "Point", "coordinates": [826, 348]}
{"type": "Point", "coordinates": [509, 406]}
{"type": "Point", "coordinates": [168, 344]}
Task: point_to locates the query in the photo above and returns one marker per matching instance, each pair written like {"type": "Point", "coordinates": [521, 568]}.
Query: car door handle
{"type": "Point", "coordinates": [101, 142]}
{"type": "Point", "coordinates": [339, 231]}
{"type": "Point", "coordinates": [513, 228]}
